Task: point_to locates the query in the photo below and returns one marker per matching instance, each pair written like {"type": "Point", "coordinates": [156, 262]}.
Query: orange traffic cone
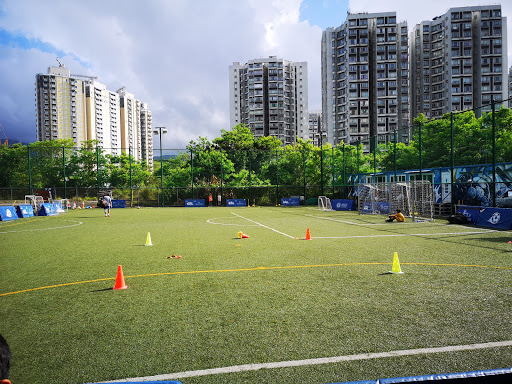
{"type": "Point", "coordinates": [120, 284]}
{"type": "Point", "coordinates": [242, 235]}
{"type": "Point", "coordinates": [308, 235]}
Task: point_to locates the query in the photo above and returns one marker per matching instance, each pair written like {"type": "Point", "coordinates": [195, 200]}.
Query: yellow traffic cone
{"type": "Point", "coordinates": [396, 265]}
{"type": "Point", "coordinates": [148, 240]}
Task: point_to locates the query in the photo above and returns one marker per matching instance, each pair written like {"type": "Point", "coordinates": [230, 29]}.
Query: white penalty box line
{"type": "Point", "coordinates": [319, 361]}
{"type": "Point", "coordinates": [264, 226]}
{"type": "Point", "coordinates": [476, 231]}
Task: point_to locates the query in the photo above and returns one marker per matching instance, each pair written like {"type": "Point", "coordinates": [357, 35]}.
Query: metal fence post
{"type": "Point", "coordinates": [452, 161]}
{"type": "Point", "coordinates": [304, 172]}
{"type": "Point", "coordinates": [131, 183]}
{"type": "Point", "coordinates": [192, 171]}
{"type": "Point", "coordinates": [29, 171]}
{"type": "Point", "coordinates": [277, 177]}
{"type": "Point", "coordinates": [98, 169]}
{"type": "Point", "coordinates": [64, 171]}
{"type": "Point", "coordinates": [493, 109]}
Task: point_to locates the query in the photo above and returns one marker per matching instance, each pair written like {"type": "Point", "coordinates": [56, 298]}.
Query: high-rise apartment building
{"type": "Point", "coordinates": [130, 122]}
{"type": "Point", "coordinates": [81, 108]}
{"type": "Point", "coordinates": [60, 106]}
{"type": "Point", "coordinates": [459, 61]}
{"type": "Point", "coordinates": [365, 79]}
{"type": "Point", "coordinates": [146, 134]}
{"type": "Point", "coordinates": [103, 117]}
{"type": "Point", "coordinates": [510, 87]}
{"type": "Point", "coordinates": [271, 97]}
{"type": "Point", "coordinates": [316, 130]}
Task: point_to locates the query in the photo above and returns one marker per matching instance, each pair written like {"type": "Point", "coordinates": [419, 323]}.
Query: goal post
{"type": "Point", "coordinates": [324, 203]}
{"type": "Point", "coordinates": [415, 199]}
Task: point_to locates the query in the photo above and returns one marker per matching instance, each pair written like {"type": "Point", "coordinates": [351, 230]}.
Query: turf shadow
{"type": "Point", "coordinates": [101, 290]}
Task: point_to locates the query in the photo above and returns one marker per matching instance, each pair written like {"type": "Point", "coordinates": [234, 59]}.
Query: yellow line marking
{"type": "Point", "coordinates": [250, 269]}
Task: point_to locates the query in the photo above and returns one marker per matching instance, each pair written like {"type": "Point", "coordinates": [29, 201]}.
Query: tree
{"type": "Point", "coordinates": [88, 166]}
{"type": "Point", "coordinates": [13, 165]}
{"type": "Point", "coordinates": [123, 171]}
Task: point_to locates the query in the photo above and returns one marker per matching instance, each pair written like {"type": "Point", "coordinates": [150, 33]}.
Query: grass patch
{"type": "Point", "coordinates": [264, 299]}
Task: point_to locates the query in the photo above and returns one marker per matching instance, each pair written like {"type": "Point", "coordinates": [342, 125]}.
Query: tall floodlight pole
{"type": "Point", "coordinates": [160, 131]}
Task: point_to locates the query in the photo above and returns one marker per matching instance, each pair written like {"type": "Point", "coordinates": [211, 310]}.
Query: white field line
{"type": "Point", "coordinates": [318, 361]}
{"type": "Point", "coordinates": [403, 234]}
{"type": "Point", "coordinates": [211, 221]}
{"type": "Point", "coordinates": [369, 224]}
{"type": "Point", "coordinates": [46, 229]}
{"type": "Point", "coordinates": [264, 226]}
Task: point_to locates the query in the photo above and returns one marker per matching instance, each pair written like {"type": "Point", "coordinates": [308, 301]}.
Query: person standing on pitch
{"type": "Point", "coordinates": [107, 204]}
{"type": "Point", "coordinates": [398, 217]}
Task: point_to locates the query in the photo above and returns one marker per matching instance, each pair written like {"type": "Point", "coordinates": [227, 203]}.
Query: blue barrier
{"type": "Point", "coordinates": [290, 202]}
{"type": "Point", "coordinates": [496, 375]}
{"type": "Point", "coordinates": [500, 218]}
{"type": "Point", "coordinates": [495, 218]}
{"type": "Point", "coordinates": [470, 212]}
{"type": "Point", "coordinates": [8, 213]}
{"type": "Point", "coordinates": [342, 205]}
{"type": "Point", "coordinates": [236, 203]}
{"type": "Point", "coordinates": [118, 204]}
{"type": "Point", "coordinates": [24, 211]}
{"type": "Point", "coordinates": [48, 209]}
{"type": "Point", "coordinates": [195, 203]}
{"type": "Point", "coordinates": [380, 208]}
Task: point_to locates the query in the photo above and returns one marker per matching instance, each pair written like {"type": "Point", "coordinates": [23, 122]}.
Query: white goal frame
{"type": "Point", "coordinates": [324, 203]}
{"type": "Point", "coordinates": [415, 199]}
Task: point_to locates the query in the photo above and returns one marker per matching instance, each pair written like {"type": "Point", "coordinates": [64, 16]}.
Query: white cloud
{"type": "Point", "coordinates": [174, 55]}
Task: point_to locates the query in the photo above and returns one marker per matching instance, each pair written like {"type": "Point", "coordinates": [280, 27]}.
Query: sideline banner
{"type": "Point", "coordinates": [25, 211]}
{"type": "Point", "coordinates": [118, 203]}
{"type": "Point", "coordinates": [379, 208]}
{"type": "Point", "coordinates": [48, 209]}
{"type": "Point", "coordinates": [290, 201]}
{"type": "Point", "coordinates": [500, 218]}
{"type": "Point", "coordinates": [236, 203]}
{"type": "Point", "coordinates": [8, 213]}
{"type": "Point", "coordinates": [342, 205]}
{"type": "Point", "coordinates": [495, 218]}
{"type": "Point", "coordinates": [195, 203]}
{"type": "Point", "coordinates": [470, 212]}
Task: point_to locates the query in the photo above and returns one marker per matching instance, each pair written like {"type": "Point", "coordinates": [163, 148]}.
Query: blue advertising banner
{"type": "Point", "coordinates": [118, 204]}
{"type": "Point", "coordinates": [378, 208]}
{"type": "Point", "coordinates": [495, 218]}
{"type": "Point", "coordinates": [48, 209]}
{"type": "Point", "coordinates": [236, 203]}
{"type": "Point", "coordinates": [8, 213]}
{"type": "Point", "coordinates": [470, 212]}
{"type": "Point", "coordinates": [342, 205]}
{"type": "Point", "coordinates": [195, 203]}
{"type": "Point", "coordinates": [24, 211]}
{"type": "Point", "coordinates": [290, 201]}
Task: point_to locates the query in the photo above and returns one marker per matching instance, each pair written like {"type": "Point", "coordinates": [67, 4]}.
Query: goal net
{"type": "Point", "coordinates": [324, 203]}
{"type": "Point", "coordinates": [414, 199]}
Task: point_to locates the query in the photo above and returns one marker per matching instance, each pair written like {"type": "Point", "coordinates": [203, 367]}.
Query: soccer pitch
{"type": "Point", "coordinates": [271, 308]}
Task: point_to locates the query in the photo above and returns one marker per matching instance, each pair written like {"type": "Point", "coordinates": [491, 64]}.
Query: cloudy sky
{"type": "Point", "coordinates": [173, 54]}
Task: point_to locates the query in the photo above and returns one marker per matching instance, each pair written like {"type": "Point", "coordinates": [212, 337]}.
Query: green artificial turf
{"type": "Point", "coordinates": [229, 301]}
